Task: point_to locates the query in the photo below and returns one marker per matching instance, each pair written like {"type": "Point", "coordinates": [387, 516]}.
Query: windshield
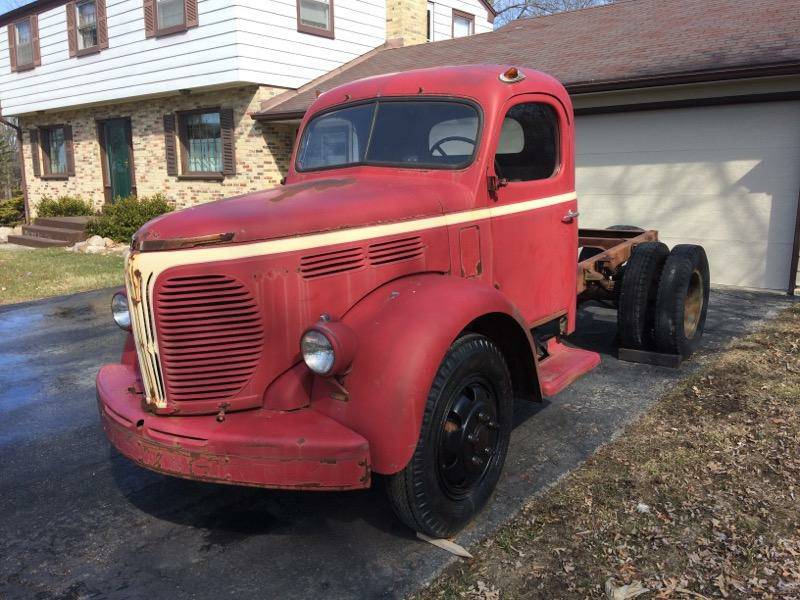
{"type": "Point", "coordinates": [430, 134]}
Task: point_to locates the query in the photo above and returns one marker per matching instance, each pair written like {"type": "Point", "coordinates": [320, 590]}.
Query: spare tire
{"type": "Point", "coordinates": [637, 296]}
{"type": "Point", "coordinates": [682, 301]}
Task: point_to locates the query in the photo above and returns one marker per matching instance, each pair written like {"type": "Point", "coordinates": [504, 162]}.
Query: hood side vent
{"type": "Point", "coordinates": [397, 250]}
{"type": "Point", "coordinates": [331, 263]}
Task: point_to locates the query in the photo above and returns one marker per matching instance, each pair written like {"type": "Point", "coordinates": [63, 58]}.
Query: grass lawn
{"type": "Point", "coordinates": [699, 498]}
{"type": "Point", "coordinates": [39, 273]}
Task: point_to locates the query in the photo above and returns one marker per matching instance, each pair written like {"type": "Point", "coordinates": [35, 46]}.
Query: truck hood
{"type": "Point", "coordinates": [302, 208]}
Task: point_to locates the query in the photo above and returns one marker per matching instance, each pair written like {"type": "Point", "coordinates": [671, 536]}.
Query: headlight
{"type": "Point", "coordinates": [120, 311]}
{"type": "Point", "coordinates": [317, 352]}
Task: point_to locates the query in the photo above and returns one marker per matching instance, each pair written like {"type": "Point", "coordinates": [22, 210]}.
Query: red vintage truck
{"type": "Point", "coordinates": [380, 312]}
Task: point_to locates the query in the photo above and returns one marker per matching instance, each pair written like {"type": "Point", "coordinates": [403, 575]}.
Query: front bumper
{"type": "Point", "coordinates": [301, 449]}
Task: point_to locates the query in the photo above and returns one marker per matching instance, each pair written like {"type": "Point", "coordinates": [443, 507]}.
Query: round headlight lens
{"type": "Point", "coordinates": [120, 311]}
{"type": "Point", "coordinates": [317, 352]}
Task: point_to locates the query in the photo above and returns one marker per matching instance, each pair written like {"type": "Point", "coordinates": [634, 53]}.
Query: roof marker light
{"type": "Point", "coordinates": [512, 75]}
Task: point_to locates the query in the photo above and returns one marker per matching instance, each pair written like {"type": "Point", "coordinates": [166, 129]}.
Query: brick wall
{"type": "Point", "coordinates": [262, 152]}
{"type": "Point", "coordinates": [407, 19]}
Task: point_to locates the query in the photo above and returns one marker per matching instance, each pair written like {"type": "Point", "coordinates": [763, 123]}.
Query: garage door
{"type": "Point", "coordinates": [726, 177]}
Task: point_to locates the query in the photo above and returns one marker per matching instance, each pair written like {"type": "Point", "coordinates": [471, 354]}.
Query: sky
{"type": "Point", "coordinates": [7, 5]}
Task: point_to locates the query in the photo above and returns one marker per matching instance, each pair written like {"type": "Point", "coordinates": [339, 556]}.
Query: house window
{"type": "Point", "coordinates": [203, 143]}
{"type": "Point", "coordinates": [169, 13]}
{"type": "Point", "coordinates": [164, 17]}
{"type": "Point", "coordinates": [430, 22]}
{"type": "Point", "coordinates": [86, 27]}
{"type": "Point", "coordinates": [315, 17]}
{"type": "Point", "coordinates": [23, 44]}
{"type": "Point", "coordinates": [463, 24]}
{"type": "Point", "coordinates": [86, 13]}
{"type": "Point", "coordinates": [51, 152]}
{"type": "Point", "coordinates": [205, 148]}
{"type": "Point", "coordinates": [528, 145]}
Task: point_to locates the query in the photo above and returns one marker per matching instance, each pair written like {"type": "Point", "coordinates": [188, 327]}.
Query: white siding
{"type": "Point", "coordinates": [248, 41]}
{"type": "Point", "coordinates": [443, 17]}
{"type": "Point", "coordinates": [273, 51]}
{"type": "Point", "coordinates": [725, 177]}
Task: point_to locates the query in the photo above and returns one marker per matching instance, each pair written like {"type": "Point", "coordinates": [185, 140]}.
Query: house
{"type": "Point", "coordinates": [120, 97]}
{"type": "Point", "coordinates": [687, 118]}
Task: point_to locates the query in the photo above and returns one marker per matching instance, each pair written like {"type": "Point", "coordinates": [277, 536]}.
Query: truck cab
{"type": "Point", "coordinates": [379, 312]}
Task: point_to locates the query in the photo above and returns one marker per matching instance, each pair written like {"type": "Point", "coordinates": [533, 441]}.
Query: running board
{"type": "Point", "coordinates": [564, 365]}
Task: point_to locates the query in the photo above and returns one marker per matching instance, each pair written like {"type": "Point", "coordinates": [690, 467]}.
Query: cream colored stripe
{"type": "Point", "coordinates": [157, 262]}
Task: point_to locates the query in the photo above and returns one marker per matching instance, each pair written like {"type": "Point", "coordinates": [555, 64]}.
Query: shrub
{"type": "Point", "coordinates": [65, 206]}
{"type": "Point", "coordinates": [120, 220]}
{"type": "Point", "coordinates": [12, 211]}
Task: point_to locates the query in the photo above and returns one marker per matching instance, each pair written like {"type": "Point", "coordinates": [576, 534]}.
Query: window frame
{"type": "Point", "coordinates": [395, 165]}
{"type": "Point", "coordinates": [318, 31]}
{"type": "Point", "coordinates": [36, 58]}
{"type": "Point", "coordinates": [183, 145]}
{"type": "Point", "coordinates": [45, 132]}
{"type": "Point", "coordinates": [190, 19]}
{"type": "Point", "coordinates": [464, 15]}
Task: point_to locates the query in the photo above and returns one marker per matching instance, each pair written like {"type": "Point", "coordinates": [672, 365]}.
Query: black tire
{"type": "Point", "coordinates": [682, 301]}
{"type": "Point", "coordinates": [637, 297]}
{"type": "Point", "coordinates": [426, 495]}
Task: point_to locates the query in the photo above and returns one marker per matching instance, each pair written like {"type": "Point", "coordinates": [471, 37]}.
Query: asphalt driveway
{"type": "Point", "coordinates": [78, 520]}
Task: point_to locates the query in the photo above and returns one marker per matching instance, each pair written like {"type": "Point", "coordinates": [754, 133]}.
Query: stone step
{"type": "Point", "coordinates": [36, 242]}
{"type": "Point", "coordinates": [76, 223]}
{"type": "Point", "coordinates": [54, 233]}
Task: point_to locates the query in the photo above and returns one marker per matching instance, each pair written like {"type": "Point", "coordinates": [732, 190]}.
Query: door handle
{"type": "Point", "coordinates": [570, 216]}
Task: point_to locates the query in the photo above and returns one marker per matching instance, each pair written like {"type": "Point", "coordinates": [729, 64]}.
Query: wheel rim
{"type": "Point", "coordinates": [468, 438]}
{"type": "Point", "coordinates": [693, 304]}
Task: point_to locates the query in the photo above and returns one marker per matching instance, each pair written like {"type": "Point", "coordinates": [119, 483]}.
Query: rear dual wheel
{"type": "Point", "coordinates": [663, 299]}
{"type": "Point", "coordinates": [463, 442]}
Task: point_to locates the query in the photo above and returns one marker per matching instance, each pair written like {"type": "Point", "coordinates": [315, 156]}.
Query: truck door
{"type": "Point", "coordinates": [534, 210]}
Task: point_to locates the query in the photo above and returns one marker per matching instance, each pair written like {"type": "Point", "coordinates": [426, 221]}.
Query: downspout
{"type": "Point", "coordinates": [795, 251]}
{"type": "Point", "coordinates": [21, 153]}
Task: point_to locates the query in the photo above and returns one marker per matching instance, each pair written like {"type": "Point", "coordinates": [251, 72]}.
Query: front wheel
{"type": "Point", "coordinates": [463, 442]}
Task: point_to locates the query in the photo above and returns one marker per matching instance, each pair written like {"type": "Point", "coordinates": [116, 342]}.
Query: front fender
{"type": "Point", "coordinates": [404, 330]}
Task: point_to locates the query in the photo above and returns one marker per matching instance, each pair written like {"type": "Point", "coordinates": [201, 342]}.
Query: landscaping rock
{"type": "Point", "coordinates": [109, 243]}
{"type": "Point", "coordinates": [18, 230]}
{"type": "Point", "coordinates": [93, 249]}
{"type": "Point", "coordinates": [96, 240]}
{"type": "Point", "coordinates": [4, 233]}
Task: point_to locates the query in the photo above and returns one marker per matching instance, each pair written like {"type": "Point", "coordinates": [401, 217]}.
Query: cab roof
{"type": "Point", "coordinates": [481, 83]}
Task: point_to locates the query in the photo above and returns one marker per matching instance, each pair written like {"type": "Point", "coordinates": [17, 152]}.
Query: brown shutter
{"type": "Point", "coordinates": [70, 150]}
{"type": "Point", "coordinates": [72, 32]}
{"type": "Point", "coordinates": [12, 46]}
{"type": "Point", "coordinates": [169, 145]}
{"type": "Point", "coordinates": [227, 128]}
{"type": "Point", "coordinates": [37, 54]}
{"type": "Point", "coordinates": [34, 135]}
{"type": "Point", "coordinates": [102, 24]}
{"type": "Point", "coordinates": [190, 13]}
{"type": "Point", "coordinates": [149, 18]}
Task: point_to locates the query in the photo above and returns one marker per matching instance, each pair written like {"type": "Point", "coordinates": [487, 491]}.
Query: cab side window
{"type": "Point", "coordinates": [528, 146]}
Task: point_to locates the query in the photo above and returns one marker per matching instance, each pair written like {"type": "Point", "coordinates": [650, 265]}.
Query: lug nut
{"type": "Point", "coordinates": [483, 417]}
{"type": "Point", "coordinates": [472, 437]}
{"type": "Point", "coordinates": [493, 425]}
{"type": "Point", "coordinates": [486, 451]}
{"type": "Point", "coordinates": [476, 461]}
